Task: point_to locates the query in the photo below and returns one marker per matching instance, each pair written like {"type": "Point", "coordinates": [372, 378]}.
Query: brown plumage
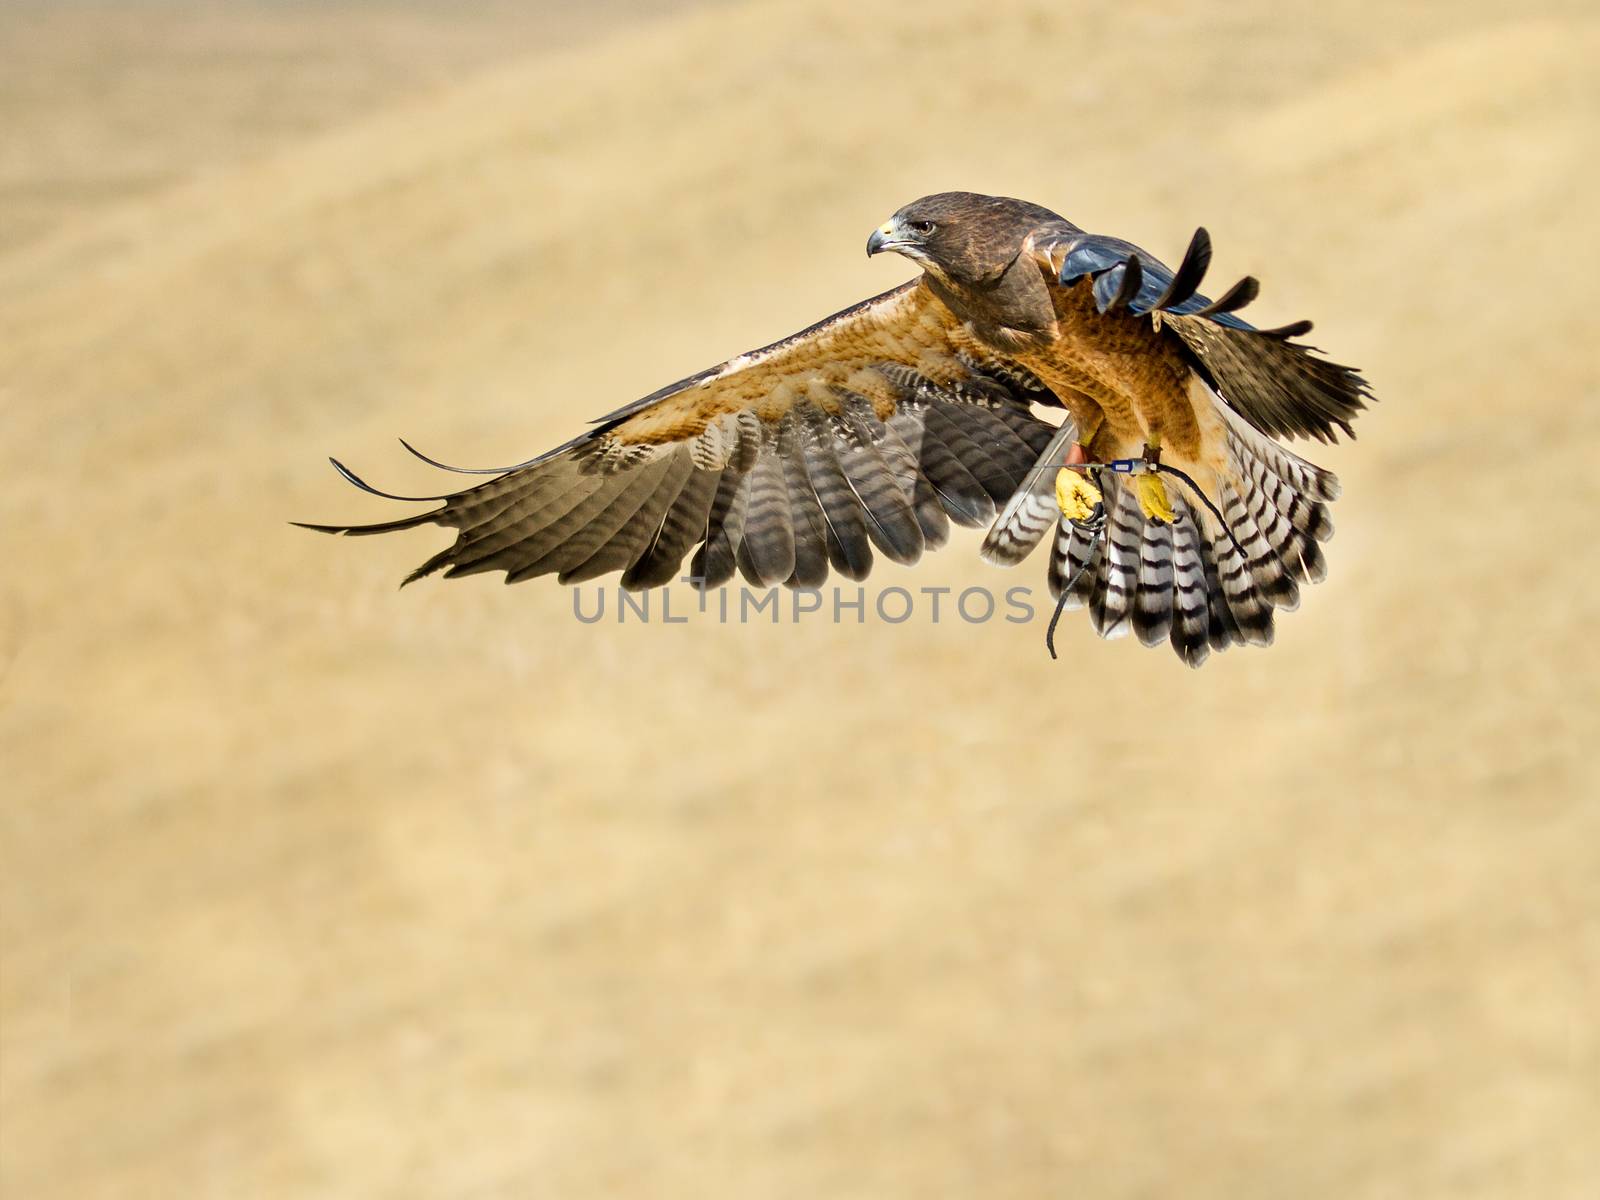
{"type": "Point", "coordinates": [869, 432]}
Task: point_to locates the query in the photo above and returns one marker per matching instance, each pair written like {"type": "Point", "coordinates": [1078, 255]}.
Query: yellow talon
{"type": "Point", "coordinates": [1076, 495]}
{"type": "Point", "coordinates": [1153, 501]}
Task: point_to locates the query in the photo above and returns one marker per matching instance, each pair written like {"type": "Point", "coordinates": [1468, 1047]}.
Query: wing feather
{"type": "Point", "coordinates": [498, 543]}
{"type": "Point", "coordinates": [716, 560]}
{"type": "Point", "coordinates": [872, 428]}
{"type": "Point", "coordinates": [681, 528]}
{"type": "Point", "coordinates": [926, 505]}
{"type": "Point", "coordinates": [960, 493]}
{"type": "Point", "coordinates": [634, 534]}
{"type": "Point", "coordinates": [849, 548]}
{"type": "Point", "coordinates": [1280, 386]}
{"type": "Point", "coordinates": [809, 525]}
{"type": "Point", "coordinates": [766, 554]}
{"type": "Point", "coordinates": [1032, 510]}
{"type": "Point", "coordinates": [996, 481]}
{"type": "Point", "coordinates": [891, 524]}
{"type": "Point", "coordinates": [572, 540]}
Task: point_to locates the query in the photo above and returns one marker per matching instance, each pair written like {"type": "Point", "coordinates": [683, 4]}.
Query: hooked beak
{"type": "Point", "coordinates": [881, 238]}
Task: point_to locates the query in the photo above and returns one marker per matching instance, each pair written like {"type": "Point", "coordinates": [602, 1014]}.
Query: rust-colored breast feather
{"type": "Point", "coordinates": [1116, 373]}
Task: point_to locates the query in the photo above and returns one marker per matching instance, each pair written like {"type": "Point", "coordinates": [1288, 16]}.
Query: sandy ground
{"type": "Point", "coordinates": [311, 888]}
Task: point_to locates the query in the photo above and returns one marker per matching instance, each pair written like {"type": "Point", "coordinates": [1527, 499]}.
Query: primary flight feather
{"type": "Point", "coordinates": [869, 432]}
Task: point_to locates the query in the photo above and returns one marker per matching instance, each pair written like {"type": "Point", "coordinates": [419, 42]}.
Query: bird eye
{"type": "Point", "coordinates": [921, 226]}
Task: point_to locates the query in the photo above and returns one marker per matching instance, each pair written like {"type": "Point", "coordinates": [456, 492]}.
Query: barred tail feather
{"type": "Point", "coordinates": [1249, 610]}
{"type": "Point", "coordinates": [1190, 604]}
{"type": "Point", "coordinates": [1272, 581]}
{"type": "Point", "coordinates": [1210, 579]}
{"type": "Point", "coordinates": [1111, 603]}
{"type": "Point", "coordinates": [1152, 602]}
{"type": "Point", "coordinates": [1074, 548]}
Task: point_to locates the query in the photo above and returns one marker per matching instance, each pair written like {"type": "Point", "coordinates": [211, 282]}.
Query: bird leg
{"type": "Point", "coordinates": [1076, 495]}
{"type": "Point", "coordinates": [1149, 488]}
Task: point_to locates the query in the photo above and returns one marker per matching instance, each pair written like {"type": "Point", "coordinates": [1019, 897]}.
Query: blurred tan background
{"type": "Point", "coordinates": [311, 888]}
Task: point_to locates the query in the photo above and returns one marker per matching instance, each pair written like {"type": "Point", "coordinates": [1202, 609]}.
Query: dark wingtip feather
{"type": "Point", "coordinates": [1235, 298]}
{"type": "Point", "coordinates": [1192, 652]}
{"type": "Point", "coordinates": [433, 462]}
{"type": "Point", "coordinates": [1132, 280]}
{"type": "Point", "coordinates": [437, 563]}
{"type": "Point", "coordinates": [1196, 259]}
{"type": "Point", "coordinates": [427, 518]}
{"type": "Point", "coordinates": [1292, 330]}
{"type": "Point", "coordinates": [352, 478]}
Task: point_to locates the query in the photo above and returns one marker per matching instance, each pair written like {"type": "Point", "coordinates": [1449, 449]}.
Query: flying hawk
{"type": "Point", "coordinates": [875, 428]}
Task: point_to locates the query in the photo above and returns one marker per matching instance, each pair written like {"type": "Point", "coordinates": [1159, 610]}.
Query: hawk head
{"type": "Point", "coordinates": [960, 237]}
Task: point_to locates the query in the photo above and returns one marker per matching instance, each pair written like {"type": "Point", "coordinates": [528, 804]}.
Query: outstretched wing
{"type": "Point", "coordinates": [871, 430]}
{"type": "Point", "coordinates": [1280, 386]}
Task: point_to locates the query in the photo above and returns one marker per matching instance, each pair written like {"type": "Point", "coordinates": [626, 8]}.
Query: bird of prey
{"type": "Point", "coordinates": [874, 429]}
